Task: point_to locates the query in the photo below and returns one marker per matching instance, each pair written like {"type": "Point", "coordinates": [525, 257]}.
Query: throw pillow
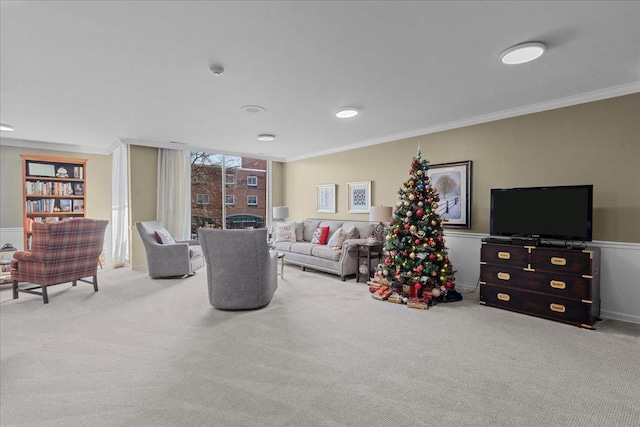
{"type": "Point", "coordinates": [285, 232]}
{"type": "Point", "coordinates": [320, 235]}
{"type": "Point", "coordinates": [164, 237]}
{"type": "Point", "coordinates": [351, 233]}
{"type": "Point", "coordinates": [336, 241]}
{"type": "Point", "coordinates": [299, 231]}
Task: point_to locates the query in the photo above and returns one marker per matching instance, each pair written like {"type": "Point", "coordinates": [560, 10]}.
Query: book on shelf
{"type": "Point", "coordinates": [78, 172]}
{"type": "Point", "coordinates": [78, 205]}
{"type": "Point", "coordinates": [65, 205]}
{"type": "Point", "coordinates": [78, 189]}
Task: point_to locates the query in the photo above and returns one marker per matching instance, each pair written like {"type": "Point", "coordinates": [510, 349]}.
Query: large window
{"type": "Point", "coordinates": [233, 193]}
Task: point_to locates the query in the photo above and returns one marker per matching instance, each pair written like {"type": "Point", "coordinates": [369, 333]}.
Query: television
{"type": "Point", "coordinates": [558, 212]}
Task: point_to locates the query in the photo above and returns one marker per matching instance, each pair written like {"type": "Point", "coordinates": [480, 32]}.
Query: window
{"type": "Point", "coordinates": [230, 179]}
{"type": "Point", "coordinates": [202, 199]}
{"type": "Point", "coordinates": [252, 200]}
{"type": "Point", "coordinates": [252, 181]}
{"type": "Point", "coordinates": [230, 200]}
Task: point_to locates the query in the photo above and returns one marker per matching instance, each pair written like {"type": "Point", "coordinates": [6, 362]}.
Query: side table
{"type": "Point", "coordinates": [365, 253]}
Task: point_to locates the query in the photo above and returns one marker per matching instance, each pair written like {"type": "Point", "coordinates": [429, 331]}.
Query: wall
{"type": "Point", "coordinates": [595, 143]}
{"type": "Point", "coordinates": [98, 188]}
{"type": "Point", "coordinates": [143, 179]}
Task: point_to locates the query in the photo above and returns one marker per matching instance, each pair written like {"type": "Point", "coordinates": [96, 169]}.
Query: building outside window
{"type": "Point", "coordinates": [236, 190]}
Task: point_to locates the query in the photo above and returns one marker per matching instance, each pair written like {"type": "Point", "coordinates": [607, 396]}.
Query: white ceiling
{"type": "Point", "coordinates": [87, 73]}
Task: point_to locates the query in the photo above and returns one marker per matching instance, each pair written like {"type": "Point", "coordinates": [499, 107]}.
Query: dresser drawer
{"type": "Point", "coordinates": [503, 275]}
{"type": "Point", "coordinates": [514, 256]}
{"type": "Point", "coordinates": [547, 306]}
{"type": "Point", "coordinates": [562, 261]}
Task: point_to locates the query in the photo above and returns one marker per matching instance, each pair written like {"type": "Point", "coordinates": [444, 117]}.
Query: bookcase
{"type": "Point", "coordinates": [54, 189]}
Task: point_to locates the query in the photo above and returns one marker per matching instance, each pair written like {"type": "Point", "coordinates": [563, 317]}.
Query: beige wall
{"type": "Point", "coordinates": [143, 179]}
{"type": "Point", "coordinates": [97, 190]}
{"type": "Point", "coordinates": [595, 143]}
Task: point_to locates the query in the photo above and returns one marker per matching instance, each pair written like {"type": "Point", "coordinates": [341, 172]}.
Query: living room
{"type": "Point", "coordinates": [591, 138]}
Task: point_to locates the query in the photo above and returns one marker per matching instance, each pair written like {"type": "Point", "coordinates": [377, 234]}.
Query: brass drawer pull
{"type": "Point", "coordinates": [504, 276]}
{"type": "Point", "coordinates": [504, 255]}
{"type": "Point", "coordinates": [503, 297]}
{"type": "Point", "coordinates": [557, 284]}
{"type": "Point", "coordinates": [558, 261]}
{"type": "Point", "coordinates": [557, 307]}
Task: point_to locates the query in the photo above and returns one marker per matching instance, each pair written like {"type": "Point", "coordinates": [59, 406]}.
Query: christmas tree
{"type": "Point", "coordinates": [416, 267]}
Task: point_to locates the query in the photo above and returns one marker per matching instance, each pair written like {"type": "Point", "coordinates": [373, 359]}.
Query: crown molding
{"type": "Point", "coordinates": [569, 101]}
{"type": "Point", "coordinates": [53, 146]}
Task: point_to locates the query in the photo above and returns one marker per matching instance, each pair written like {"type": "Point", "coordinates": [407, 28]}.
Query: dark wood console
{"type": "Point", "coordinates": [551, 282]}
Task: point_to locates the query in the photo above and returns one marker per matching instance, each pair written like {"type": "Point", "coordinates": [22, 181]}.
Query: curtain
{"type": "Point", "coordinates": [120, 207]}
{"type": "Point", "coordinates": [174, 192]}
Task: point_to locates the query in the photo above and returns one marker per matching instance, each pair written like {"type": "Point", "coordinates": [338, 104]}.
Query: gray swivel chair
{"type": "Point", "coordinates": [181, 259]}
{"type": "Point", "coordinates": [241, 271]}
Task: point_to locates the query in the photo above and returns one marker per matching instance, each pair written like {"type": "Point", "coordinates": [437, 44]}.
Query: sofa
{"type": "Point", "coordinates": [336, 259]}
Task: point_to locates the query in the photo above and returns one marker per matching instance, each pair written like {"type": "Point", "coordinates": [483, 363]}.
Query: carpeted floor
{"type": "Point", "coordinates": [144, 352]}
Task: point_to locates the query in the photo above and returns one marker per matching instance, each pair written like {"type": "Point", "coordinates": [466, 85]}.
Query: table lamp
{"type": "Point", "coordinates": [382, 214]}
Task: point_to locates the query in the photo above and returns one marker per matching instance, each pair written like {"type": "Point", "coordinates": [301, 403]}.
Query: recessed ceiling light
{"type": "Point", "coordinates": [265, 137]}
{"type": "Point", "coordinates": [346, 113]}
{"type": "Point", "coordinates": [6, 128]}
{"type": "Point", "coordinates": [522, 53]}
{"type": "Point", "coordinates": [252, 109]}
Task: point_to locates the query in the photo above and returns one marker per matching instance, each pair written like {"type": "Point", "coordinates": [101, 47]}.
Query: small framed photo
{"type": "Point", "coordinates": [359, 196]}
{"type": "Point", "coordinates": [326, 195]}
{"type": "Point", "coordinates": [78, 205]}
{"type": "Point", "coordinates": [453, 182]}
{"type": "Point", "coordinates": [65, 205]}
{"type": "Point", "coordinates": [78, 189]}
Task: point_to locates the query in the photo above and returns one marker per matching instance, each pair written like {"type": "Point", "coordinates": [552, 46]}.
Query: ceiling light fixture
{"type": "Point", "coordinates": [346, 113]}
{"type": "Point", "coordinates": [6, 128]}
{"type": "Point", "coordinates": [252, 109]}
{"type": "Point", "coordinates": [265, 137]}
{"type": "Point", "coordinates": [522, 53]}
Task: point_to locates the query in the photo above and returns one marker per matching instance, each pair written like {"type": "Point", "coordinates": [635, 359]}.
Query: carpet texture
{"type": "Point", "coordinates": [144, 352]}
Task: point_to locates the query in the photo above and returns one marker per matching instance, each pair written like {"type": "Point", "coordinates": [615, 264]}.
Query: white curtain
{"type": "Point", "coordinates": [120, 207]}
{"type": "Point", "coordinates": [174, 192]}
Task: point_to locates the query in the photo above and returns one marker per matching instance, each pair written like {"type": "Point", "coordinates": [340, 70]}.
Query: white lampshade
{"type": "Point", "coordinates": [280, 212]}
{"type": "Point", "coordinates": [380, 213]}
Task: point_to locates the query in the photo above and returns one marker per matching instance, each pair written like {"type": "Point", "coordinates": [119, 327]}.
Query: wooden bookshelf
{"type": "Point", "coordinates": [53, 189]}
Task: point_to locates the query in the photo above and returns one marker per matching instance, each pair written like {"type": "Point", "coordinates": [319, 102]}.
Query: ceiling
{"type": "Point", "coordinates": [89, 73]}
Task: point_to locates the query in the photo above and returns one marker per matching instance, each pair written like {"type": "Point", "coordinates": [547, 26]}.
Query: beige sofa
{"type": "Point", "coordinates": [341, 261]}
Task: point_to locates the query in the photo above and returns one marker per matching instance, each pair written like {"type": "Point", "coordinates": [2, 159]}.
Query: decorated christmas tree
{"type": "Point", "coordinates": [416, 269]}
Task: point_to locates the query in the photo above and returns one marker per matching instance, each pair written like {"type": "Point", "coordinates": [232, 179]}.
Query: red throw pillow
{"type": "Point", "coordinates": [321, 235]}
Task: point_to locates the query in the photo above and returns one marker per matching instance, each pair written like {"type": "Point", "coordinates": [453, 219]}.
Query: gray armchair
{"type": "Point", "coordinates": [182, 258]}
{"type": "Point", "coordinates": [241, 271]}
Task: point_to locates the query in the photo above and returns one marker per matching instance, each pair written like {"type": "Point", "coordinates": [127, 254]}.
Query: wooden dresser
{"type": "Point", "coordinates": [554, 283]}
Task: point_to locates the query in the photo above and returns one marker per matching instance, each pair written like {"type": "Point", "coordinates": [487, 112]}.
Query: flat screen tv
{"type": "Point", "coordinates": [559, 212]}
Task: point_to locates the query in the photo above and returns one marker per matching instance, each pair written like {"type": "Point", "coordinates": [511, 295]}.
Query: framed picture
{"type": "Point", "coordinates": [359, 196]}
{"type": "Point", "coordinates": [326, 194]}
{"type": "Point", "coordinates": [453, 182]}
{"type": "Point", "coordinates": [41, 169]}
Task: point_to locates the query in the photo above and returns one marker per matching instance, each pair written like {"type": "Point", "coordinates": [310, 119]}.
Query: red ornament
{"type": "Point", "coordinates": [396, 230]}
{"type": "Point", "coordinates": [419, 212]}
{"type": "Point", "coordinates": [449, 285]}
{"type": "Point", "coordinates": [432, 257]}
{"type": "Point", "coordinates": [418, 241]}
{"type": "Point", "coordinates": [417, 286]}
{"type": "Point", "coordinates": [407, 226]}
{"type": "Point", "coordinates": [387, 260]}
{"type": "Point", "coordinates": [391, 222]}
{"type": "Point", "coordinates": [440, 239]}
{"type": "Point", "coordinates": [405, 254]}
{"type": "Point", "coordinates": [419, 268]}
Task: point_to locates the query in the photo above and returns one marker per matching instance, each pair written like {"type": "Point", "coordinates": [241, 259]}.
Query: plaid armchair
{"type": "Point", "coordinates": [61, 252]}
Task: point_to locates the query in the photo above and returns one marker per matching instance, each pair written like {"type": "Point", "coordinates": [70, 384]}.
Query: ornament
{"type": "Point", "coordinates": [410, 183]}
{"type": "Point", "coordinates": [413, 228]}
{"type": "Point", "coordinates": [420, 204]}
{"type": "Point", "coordinates": [419, 172]}
{"type": "Point", "coordinates": [433, 223]}
{"type": "Point", "coordinates": [434, 273]}
{"type": "Point", "coordinates": [412, 197]}
{"type": "Point", "coordinates": [417, 286]}
{"type": "Point", "coordinates": [436, 292]}
{"type": "Point", "coordinates": [449, 285]}
{"type": "Point", "coordinates": [409, 213]}
{"type": "Point", "coordinates": [385, 272]}
{"type": "Point", "coordinates": [420, 212]}
{"type": "Point", "coordinates": [405, 300]}
{"type": "Point", "coordinates": [406, 203]}
{"type": "Point", "coordinates": [418, 242]}
{"type": "Point", "coordinates": [387, 261]}
{"type": "Point", "coordinates": [434, 206]}
{"type": "Point", "coordinates": [442, 278]}
{"type": "Point", "coordinates": [412, 255]}
{"type": "Point", "coordinates": [432, 257]}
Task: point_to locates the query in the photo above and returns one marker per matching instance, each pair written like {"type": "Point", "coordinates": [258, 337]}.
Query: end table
{"type": "Point", "coordinates": [365, 253]}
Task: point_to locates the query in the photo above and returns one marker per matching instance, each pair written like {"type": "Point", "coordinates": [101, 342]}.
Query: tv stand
{"type": "Point", "coordinates": [523, 241]}
{"type": "Point", "coordinates": [555, 283]}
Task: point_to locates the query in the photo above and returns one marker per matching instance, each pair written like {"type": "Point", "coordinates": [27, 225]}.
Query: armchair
{"type": "Point", "coordinates": [61, 252]}
{"type": "Point", "coordinates": [241, 271]}
{"type": "Point", "coordinates": [179, 259]}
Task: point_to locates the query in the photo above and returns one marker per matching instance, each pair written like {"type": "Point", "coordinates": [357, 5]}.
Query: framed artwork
{"type": "Point", "coordinates": [359, 196]}
{"type": "Point", "coordinates": [326, 195]}
{"type": "Point", "coordinates": [453, 182]}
